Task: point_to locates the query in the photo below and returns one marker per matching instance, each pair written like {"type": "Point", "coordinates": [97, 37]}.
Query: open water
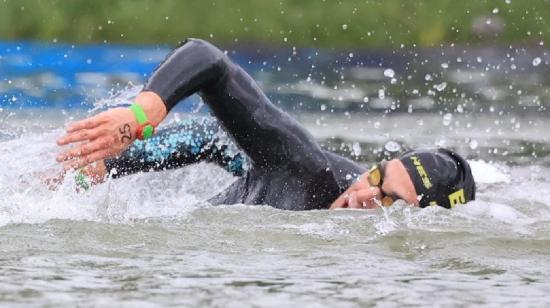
{"type": "Point", "coordinates": [151, 239]}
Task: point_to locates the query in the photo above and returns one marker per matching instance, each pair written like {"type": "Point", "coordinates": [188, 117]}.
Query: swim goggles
{"type": "Point", "coordinates": [376, 179]}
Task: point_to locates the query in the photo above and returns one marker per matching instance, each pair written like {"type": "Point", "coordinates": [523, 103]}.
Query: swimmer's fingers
{"type": "Point", "coordinates": [87, 148]}
{"type": "Point", "coordinates": [51, 177]}
{"type": "Point", "coordinates": [88, 123]}
{"type": "Point", "coordinates": [83, 161]}
{"type": "Point", "coordinates": [364, 198]}
{"type": "Point", "coordinates": [341, 202]}
{"type": "Point", "coordinates": [82, 135]}
{"type": "Point", "coordinates": [86, 129]}
{"type": "Point", "coordinates": [118, 121]}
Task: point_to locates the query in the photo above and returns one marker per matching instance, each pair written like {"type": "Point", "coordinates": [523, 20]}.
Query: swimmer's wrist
{"type": "Point", "coordinates": [90, 175]}
{"type": "Point", "coordinates": [145, 128]}
{"type": "Point", "coordinates": [152, 105]}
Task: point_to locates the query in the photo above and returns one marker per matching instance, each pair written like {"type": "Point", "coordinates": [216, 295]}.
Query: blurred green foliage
{"type": "Point", "coordinates": [326, 23]}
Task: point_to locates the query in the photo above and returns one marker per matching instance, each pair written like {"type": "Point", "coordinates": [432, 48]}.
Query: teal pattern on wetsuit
{"type": "Point", "coordinates": [188, 142]}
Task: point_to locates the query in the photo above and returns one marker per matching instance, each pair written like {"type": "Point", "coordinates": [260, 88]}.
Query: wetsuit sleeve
{"type": "Point", "coordinates": [190, 142]}
{"type": "Point", "coordinates": [267, 135]}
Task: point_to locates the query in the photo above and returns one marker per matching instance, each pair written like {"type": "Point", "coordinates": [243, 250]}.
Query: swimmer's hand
{"type": "Point", "coordinates": [104, 135]}
{"type": "Point", "coordinates": [53, 177]}
{"type": "Point", "coordinates": [360, 195]}
{"type": "Point", "coordinates": [107, 134]}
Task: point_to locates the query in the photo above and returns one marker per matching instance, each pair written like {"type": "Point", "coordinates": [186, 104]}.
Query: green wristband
{"type": "Point", "coordinates": [141, 117]}
{"type": "Point", "coordinates": [146, 129]}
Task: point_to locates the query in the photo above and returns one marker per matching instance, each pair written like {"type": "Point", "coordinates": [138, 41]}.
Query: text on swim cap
{"type": "Point", "coordinates": [422, 172]}
{"type": "Point", "coordinates": [457, 197]}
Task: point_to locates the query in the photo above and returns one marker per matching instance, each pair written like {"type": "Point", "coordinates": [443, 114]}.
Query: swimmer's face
{"type": "Point", "coordinates": [362, 195]}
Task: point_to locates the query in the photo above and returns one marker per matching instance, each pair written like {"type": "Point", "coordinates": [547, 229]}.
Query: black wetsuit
{"type": "Point", "coordinates": [287, 169]}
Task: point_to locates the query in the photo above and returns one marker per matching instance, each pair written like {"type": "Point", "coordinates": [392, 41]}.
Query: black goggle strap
{"type": "Point", "coordinates": [376, 178]}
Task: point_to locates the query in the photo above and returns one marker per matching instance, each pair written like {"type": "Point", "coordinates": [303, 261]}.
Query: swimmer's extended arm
{"type": "Point", "coordinates": [268, 135]}
{"type": "Point", "coordinates": [184, 144]}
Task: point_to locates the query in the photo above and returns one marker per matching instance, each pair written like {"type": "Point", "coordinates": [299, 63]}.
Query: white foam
{"type": "Point", "coordinates": [489, 173]}
{"type": "Point", "coordinates": [24, 198]}
{"type": "Point", "coordinates": [494, 211]}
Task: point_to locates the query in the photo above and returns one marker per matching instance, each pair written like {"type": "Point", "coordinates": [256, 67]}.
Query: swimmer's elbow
{"type": "Point", "coordinates": [193, 66]}
{"type": "Point", "coordinates": [214, 60]}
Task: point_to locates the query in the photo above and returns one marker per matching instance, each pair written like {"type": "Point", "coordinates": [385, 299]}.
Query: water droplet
{"type": "Point", "coordinates": [392, 146]}
{"type": "Point", "coordinates": [537, 61]}
{"type": "Point", "coordinates": [473, 144]}
{"type": "Point", "coordinates": [365, 99]}
{"type": "Point", "coordinates": [445, 65]}
{"type": "Point", "coordinates": [508, 1]}
{"type": "Point", "coordinates": [495, 11]}
{"type": "Point", "coordinates": [377, 125]}
{"type": "Point", "coordinates": [447, 119]}
{"type": "Point", "coordinates": [440, 87]}
{"type": "Point", "coordinates": [389, 73]}
{"type": "Point", "coordinates": [381, 94]}
{"type": "Point", "coordinates": [428, 77]}
{"type": "Point", "coordinates": [323, 107]}
{"type": "Point", "coordinates": [344, 27]}
{"type": "Point", "coordinates": [356, 149]}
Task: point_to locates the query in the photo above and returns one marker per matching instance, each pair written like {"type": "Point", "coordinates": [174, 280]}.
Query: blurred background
{"type": "Point", "coordinates": [306, 23]}
{"type": "Point", "coordinates": [72, 53]}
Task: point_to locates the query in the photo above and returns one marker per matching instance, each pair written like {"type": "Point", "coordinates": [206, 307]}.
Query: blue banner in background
{"type": "Point", "coordinates": [478, 80]}
{"type": "Point", "coordinates": [68, 76]}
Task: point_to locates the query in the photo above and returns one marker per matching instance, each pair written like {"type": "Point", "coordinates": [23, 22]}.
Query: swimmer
{"type": "Point", "coordinates": [277, 161]}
